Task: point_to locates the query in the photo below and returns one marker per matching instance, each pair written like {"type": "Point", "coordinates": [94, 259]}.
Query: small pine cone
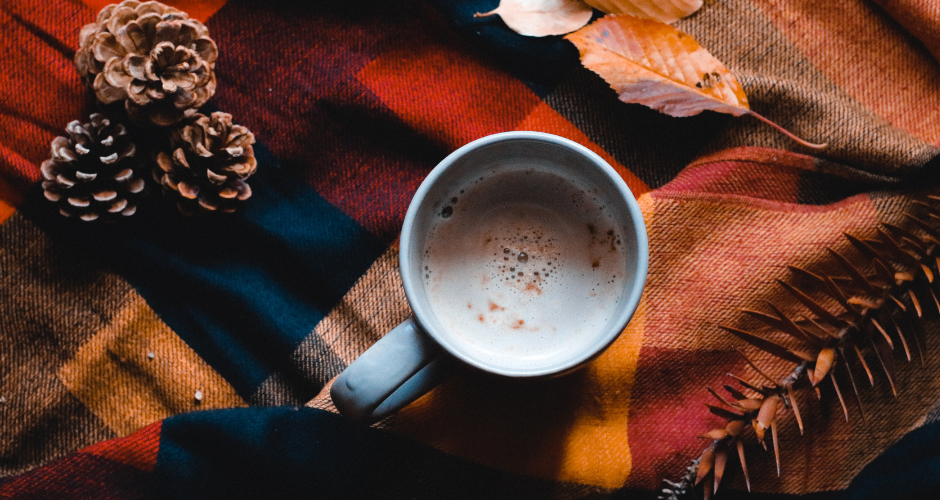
{"type": "Point", "coordinates": [210, 159]}
{"type": "Point", "coordinates": [93, 172]}
{"type": "Point", "coordinates": [153, 57]}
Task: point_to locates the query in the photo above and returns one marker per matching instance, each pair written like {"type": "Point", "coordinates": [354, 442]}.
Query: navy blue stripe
{"type": "Point", "coordinates": [256, 453]}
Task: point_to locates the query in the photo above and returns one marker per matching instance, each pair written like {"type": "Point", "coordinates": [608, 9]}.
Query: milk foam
{"type": "Point", "coordinates": [524, 265]}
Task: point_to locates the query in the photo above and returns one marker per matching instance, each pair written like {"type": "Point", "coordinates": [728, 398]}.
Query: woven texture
{"type": "Point", "coordinates": [192, 357]}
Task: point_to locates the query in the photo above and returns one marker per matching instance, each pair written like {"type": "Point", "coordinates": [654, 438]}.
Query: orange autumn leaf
{"type": "Point", "coordinates": [651, 63]}
{"type": "Point", "coordinates": [667, 11]}
{"type": "Point", "coordinates": [542, 17]}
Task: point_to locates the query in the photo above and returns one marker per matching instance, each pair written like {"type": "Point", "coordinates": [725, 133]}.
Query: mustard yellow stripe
{"type": "Point", "coordinates": [136, 370]}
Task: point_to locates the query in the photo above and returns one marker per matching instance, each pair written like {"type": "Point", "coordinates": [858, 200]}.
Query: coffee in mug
{"type": "Point", "coordinates": [523, 264]}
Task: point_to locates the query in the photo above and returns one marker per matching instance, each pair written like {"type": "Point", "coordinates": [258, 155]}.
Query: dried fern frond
{"type": "Point", "coordinates": [848, 316]}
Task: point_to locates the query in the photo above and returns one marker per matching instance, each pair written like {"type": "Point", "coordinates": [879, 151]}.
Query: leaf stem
{"type": "Point", "coordinates": [787, 133]}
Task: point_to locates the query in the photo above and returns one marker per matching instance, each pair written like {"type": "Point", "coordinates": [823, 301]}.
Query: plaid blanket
{"type": "Point", "coordinates": [108, 331]}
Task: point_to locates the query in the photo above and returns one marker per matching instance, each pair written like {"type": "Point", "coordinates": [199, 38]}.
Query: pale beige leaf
{"type": "Point", "coordinates": [666, 11]}
{"type": "Point", "coordinates": [542, 17]}
{"type": "Point", "coordinates": [651, 63]}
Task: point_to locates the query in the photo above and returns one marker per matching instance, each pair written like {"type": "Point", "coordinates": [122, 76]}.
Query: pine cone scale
{"type": "Point", "coordinates": [117, 206]}
{"type": "Point", "coordinates": [106, 92]}
{"type": "Point", "coordinates": [134, 37]}
{"type": "Point", "coordinates": [106, 47]}
{"type": "Point", "coordinates": [120, 17]}
{"type": "Point", "coordinates": [123, 175]}
{"type": "Point", "coordinates": [104, 195]}
{"type": "Point", "coordinates": [137, 67]}
{"type": "Point", "coordinates": [206, 49]}
{"type": "Point", "coordinates": [116, 73]}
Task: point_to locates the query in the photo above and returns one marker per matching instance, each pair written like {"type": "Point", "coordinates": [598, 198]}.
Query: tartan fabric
{"type": "Point", "coordinates": [352, 104]}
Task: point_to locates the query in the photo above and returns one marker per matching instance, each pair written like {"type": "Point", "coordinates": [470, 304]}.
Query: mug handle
{"type": "Point", "coordinates": [396, 370]}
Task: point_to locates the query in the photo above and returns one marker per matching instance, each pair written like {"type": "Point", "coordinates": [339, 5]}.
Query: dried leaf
{"type": "Point", "coordinates": [918, 248]}
{"type": "Point", "coordinates": [883, 333]}
{"type": "Point", "coordinates": [862, 247]}
{"type": "Point", "coordinates": [933, 295]}
{"type": "Point", "coordinates": [885, 271]}
{"type": "Point", "coordinates": [897, 302]}
{"type": "Point", "coordinates": [759, 432]}
{"type": "Point", "coordinates": [913, 239]}
{"type": "Point", "coordinates": [796, 408]}
{"type": "Point", "coordinates": [845, 410]}
{"type": "Point", "coordinates": [723, 413]}
{"type": "Point", "coordinates": [820, 327]}
{"type": "Point", "coordinates": [861, 358]}
{"type": "Point", "coordinates": [835, 292]}
{"type": "Point", "coordinates": [736, 394]}
{"type": "Point", "coordinates": [862, 301]}
{"type": "Point", "coordinates": [772, 322]}
{"type": "Point", "coordinates": [705, 464]}
{"type": "Point", "coordinates": [542, 17]}
{"type": "Point", "coordinates": [745, 383]}
{"type": "Point", "coordinates": [768, 411]}
{"type": "Point", "coordinates": [721, 459]}
{"type": "Point", "coordinates": [897, 328]}
{"type": "Point", "coordinates": [651, 63]}
{"type": "Point", "coordinates": [719, 398]}
{"type": "Point", "coordinates": [782, 323]}
{"type": "Point", "coordinates": [747, 360]}
{"type": "Point", "coordinates": [824, 361]}
{"type": "Point", "coordinates": [806, 274]}
{"type": "Point", "coordinates": [747, 477]}
{"type": "Point", "coordinates": [899, 253]}
{"type": "Point", "coordinates": [916, 303]}
{"type": "Point", "coordinates": [735, 428]}
{"type": "Point", "coordinates": [654, 64]}
{"type": "Point", "coordinates": [773, 432]}
{"type": "Point", "coordinates": [920, 336]}
{"type": "Point", "coordinates": [887, 363]}
{"type": "Point", "coordinates": [858, 399]}
{"type": "Point", "coordinates": [714, 434]}
{"type": "Point", "coordinates": [665, 11]}
{"type": "Point", "coordinates": [766, 345]}
{"type": "Point", "coordinates": [932, 232]}
{"type": "Point", "coordinates": [812, 305]}
{"type": "Point", "coordinates": [927, 272]}
{"type": "Point", "coordinates": [857, 276]}
{"type": "Point", "coordinates": [931, 210]}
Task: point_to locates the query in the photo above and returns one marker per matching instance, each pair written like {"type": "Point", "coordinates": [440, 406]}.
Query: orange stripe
{"type": "Point", "coordinates": [869, 56]}
{"type": "Point", "coordinates": [545, 119]}
{"type": "Point", "coordinates": [5, 211]}
{"type": "Point", "coordinates": [9, 200]}
{"type": "Point", "coordinates": [200, 10]}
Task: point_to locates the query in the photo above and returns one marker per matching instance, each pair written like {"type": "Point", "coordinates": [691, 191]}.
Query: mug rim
{"type": "Point", "coordinates": [625, 310]}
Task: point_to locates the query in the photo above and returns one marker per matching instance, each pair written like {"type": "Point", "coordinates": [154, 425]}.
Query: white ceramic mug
{"type": "Point", "coordinates": [522, 254]}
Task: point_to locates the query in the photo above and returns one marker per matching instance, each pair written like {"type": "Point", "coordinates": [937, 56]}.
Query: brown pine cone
{"type": "Point", "coordinates": [151, 56]}
{"type": "Point", "coordinates": [93, 171]}
{"type": "Point", "coordinates": [209, 162]}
